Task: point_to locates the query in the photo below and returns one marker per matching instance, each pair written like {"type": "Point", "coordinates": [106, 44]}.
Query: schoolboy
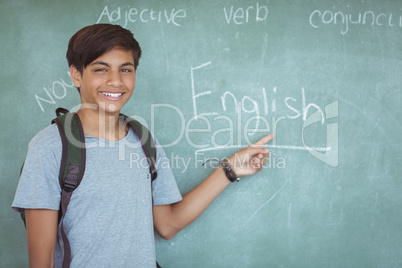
{"type": "Point", "coordinates": [112, 215]}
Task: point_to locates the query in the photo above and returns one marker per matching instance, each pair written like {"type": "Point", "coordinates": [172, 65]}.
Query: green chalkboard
{"type": "Point", "coordinates": [324, 76]}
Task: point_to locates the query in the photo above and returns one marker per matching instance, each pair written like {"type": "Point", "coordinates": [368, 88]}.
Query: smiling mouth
{"type": "Point", "coordinates": [112, 95]}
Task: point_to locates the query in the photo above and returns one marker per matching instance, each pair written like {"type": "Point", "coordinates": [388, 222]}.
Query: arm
{"type": "Point", "coordinates": [41, 235]}
{"type": "Point", "coordinates": [170, 219]}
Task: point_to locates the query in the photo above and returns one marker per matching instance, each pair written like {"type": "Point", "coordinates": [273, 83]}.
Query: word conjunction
{"type": "Point", "coordinates": [318, 19]}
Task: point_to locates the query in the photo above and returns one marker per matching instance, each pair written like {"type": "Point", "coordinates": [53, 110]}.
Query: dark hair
{"type": "Point", "coordinates": [93, 41]}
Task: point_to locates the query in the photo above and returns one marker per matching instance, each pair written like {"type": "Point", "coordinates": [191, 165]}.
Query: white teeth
{"type": "Point", "coordinates": [113, 95]}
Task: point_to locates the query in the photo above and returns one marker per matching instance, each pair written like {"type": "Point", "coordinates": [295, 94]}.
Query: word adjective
{"type": "Point", "coordinates": [319, 18]}
{"type": "Point", "coordinates": [58, 91]}
{"type": "Point", "coordinates": [132, 15]}
{"type": "Point", "coordinates": [241, 15]}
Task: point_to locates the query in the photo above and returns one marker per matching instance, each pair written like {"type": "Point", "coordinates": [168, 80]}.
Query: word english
{"type": "Point", "coordinates": [250, 105]}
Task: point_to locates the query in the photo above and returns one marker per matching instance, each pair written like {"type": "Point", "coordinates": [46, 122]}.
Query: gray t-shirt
{"type": "Point", "coordinates": [109, 218]}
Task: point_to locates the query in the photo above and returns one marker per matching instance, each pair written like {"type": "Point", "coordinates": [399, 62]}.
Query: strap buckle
{"type": "Point", "coordinates": [71, 181]}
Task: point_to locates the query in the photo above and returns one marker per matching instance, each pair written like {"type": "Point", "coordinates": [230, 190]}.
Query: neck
{"type": "Point", "coordinates": [102, 125]}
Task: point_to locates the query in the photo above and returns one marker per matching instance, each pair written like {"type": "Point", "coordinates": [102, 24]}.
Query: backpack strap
{"type": "Point", "coordinates": [147, 142]}
{"type": "Point", "coordinates": [72, 166]}
{"type": "Point", "coordinates": [60, 111]}
{"type": "Point", "coordinates": [73, 147]}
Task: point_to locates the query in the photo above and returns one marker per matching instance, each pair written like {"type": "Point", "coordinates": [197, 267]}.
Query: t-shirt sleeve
{"type": "Point", "coordinates": [164, 187]}
{"type": "Point", "coordinates": [38, 187]}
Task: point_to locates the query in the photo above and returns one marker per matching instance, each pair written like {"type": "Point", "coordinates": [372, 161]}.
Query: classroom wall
{"type": "Point", "coordinates": [215, 76]}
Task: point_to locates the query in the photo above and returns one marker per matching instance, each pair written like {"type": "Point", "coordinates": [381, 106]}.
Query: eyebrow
{"type": "Point", "coordinates": [108, 65]}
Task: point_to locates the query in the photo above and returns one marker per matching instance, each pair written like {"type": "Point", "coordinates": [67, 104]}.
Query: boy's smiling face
{"type": "Point", "coordinates": [108, 82]}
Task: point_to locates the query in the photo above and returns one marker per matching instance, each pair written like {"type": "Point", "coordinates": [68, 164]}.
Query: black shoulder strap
{"type": "Point", "coordinates": [147, 142]}
{"type": "Point", "coordinates": [72, 166]}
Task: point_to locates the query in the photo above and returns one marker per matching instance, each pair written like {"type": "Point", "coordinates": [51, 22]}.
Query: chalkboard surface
{"type": "Point", "coordinates": [324, 76]}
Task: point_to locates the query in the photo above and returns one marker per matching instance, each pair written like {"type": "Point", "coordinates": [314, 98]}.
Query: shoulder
{"type": "Point", "coordinates": [48, 138]}
{"type": "Point", "coordinates": [38, 185]}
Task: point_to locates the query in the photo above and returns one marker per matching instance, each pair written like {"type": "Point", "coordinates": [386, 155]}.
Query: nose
{"type": "Point", "coordinates": [114, 79]}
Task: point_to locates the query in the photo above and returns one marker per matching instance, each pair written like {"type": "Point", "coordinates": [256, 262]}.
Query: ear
{"type": "Point", "coordinates": [75, 76]}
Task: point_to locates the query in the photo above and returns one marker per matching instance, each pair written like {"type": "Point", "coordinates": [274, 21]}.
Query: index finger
{"type": "Point", "coordinates": [263, 140]}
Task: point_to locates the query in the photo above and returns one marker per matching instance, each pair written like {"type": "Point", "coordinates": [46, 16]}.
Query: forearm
{"type": "Point", "coordinates": [197, 200]}
{"type": "Point", "coordinates": [41, 237]}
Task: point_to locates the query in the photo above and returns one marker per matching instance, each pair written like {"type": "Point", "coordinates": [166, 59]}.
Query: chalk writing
{"type": "Point", "coordinates": [250, 105]}
{"type": "Point", "coordinates": [245, 15]}
{"type": "Point", "coordinates": [285, 147]}
{"type": "Point", "coordinates": [58, 91]}
{"type": "Point", "coordinates": [195, 96]}
{"type": "Point", "coordinates": [132, 15]}
{"type": "Point", "coordinates": [320, 18]}
{"type": "Point", "coordinates": [309, 113]}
